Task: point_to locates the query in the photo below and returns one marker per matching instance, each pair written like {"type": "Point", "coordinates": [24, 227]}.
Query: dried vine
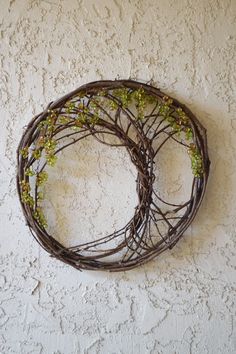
{"type": "Point", "coordinates": [135, 115]}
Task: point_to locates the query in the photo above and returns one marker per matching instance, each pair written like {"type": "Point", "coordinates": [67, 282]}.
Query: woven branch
{"type": "Point", "coordinates": [116, 113]}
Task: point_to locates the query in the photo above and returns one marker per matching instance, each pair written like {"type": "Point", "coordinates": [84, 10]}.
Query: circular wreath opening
{"type": "Point", "coordinates": [116, 113]}
{"type": "Point", "coordinates": [90, 192]}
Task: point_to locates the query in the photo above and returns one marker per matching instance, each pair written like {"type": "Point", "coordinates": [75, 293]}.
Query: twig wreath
{"type": "Point", "coordinates": [134, 115]}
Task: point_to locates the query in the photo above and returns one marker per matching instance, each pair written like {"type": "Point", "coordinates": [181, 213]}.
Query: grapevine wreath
{"type": "Point", "coordinates": [134, 115]}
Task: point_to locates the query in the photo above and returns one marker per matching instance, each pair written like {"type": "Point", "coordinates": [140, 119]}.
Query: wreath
{"type": "Point", "coordinates": [134, 115]}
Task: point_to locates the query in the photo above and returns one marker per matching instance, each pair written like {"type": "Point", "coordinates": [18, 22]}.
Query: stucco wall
{"type": "Point", "coordinates": [184, 301]}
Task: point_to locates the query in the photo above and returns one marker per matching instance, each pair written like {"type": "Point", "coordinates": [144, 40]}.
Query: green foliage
{"type": "Point", "coordinates": [39, 216]}
{"type": "Point", "coordinates": [64, 120]}
{"type": "Point", "coordinates": [50, 145]}
{"type": "Point", "coordinates": [95, 119]}
{"type": "Point", "coordinates": [81, 119]}
{"type": "Point", "coordinates": [182, 116]}
{"type": "Point", "coordinates": [196, 161]}
{"type": "Point", "coordinates": [25, 194]}
{"type": "Point", "coordinates": [164, 110]}
{"type": "Point", "coordinates": [29, 172]}
{"type": "Point", "coordinates": [176, 127]}
{"type": "Point", "coordinates": [24, 152]}
{"type": "Point", "coordinates": [123, 95]}
{"type": "Point", "coordinates": [168, 101]}
{"type": "Point", "coordinates": [188, 133]}
{"type": "Point", "coordinates": [151, 99]}
{"type": "Point", "coordinates": [94, 110]}
{"type": "Point", "coordinates": [51, 159]}
{"type": "Point", "coordinates": [70, 107]}
{"type": "Point", "coordinates": [41, 178]}
{"type": "Point", "coordinates": [140, 101]}
{"type": "Point", "coordinates": [37, 154]}
{"type": "Point", "coordinates": [48, 124]}
{"type": "Point", "coordinates": [102, 93]}
{"type": "Point", "coordinates": [113, 105]}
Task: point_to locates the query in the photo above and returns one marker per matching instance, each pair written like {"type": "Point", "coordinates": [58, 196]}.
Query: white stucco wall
{"type": "Point", "coordinates": [184, 301]}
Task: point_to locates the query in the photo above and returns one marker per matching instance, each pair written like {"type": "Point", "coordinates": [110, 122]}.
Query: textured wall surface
{"type": "Point", "coordinates": [184, 301]}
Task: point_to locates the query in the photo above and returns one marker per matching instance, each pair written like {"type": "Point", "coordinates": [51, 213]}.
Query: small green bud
{"type": "Point", "coordinates": [39, 217]}
{"type": "Point", "coordinates": [51, 160]}
{"type": "Point", "coordinates": [29, 172]}
{"type": "Point", "coordinates": [24, 152]}
{"type": "Point", "coordinates": [41, 178]}
{"type": "Point", "coordinates": [37, 154]}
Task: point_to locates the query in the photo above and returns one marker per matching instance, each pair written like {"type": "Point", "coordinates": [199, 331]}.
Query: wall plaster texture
{"type": "Point", "coordinates": [184, 301]}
